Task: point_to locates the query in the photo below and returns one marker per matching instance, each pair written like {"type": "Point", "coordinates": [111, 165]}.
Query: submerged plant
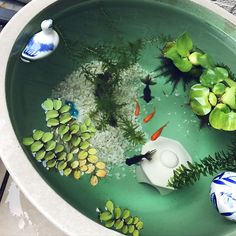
{"type": "Point", "coordinates": [119, 219]}
{"type": "Point", "coordinates": [189, 174]}
{"type": "Point", "coordinates": [66, 146]}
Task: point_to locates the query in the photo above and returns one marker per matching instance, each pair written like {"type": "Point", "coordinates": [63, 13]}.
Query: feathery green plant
{"type": "Point", "coordinates": [189, 174]}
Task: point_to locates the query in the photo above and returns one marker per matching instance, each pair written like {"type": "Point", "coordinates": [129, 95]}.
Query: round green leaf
{"type": "Point", "coordinates": [62, 156]}
{"type": "Point", "coordinates": [36, 146]}
{"type": "Point", "coordinates": [88, 122]}
{"type": "Point", "coordinates": [117, 212]}
{"type": "Point", "coordinates": [74, 129]}
{"type": "Point", "coordinates": [28, 141]}
{"type": "Point", "coordinates": [110, 206]}
{"type": "Point", "coordinates": [229, 97]}
{"type": "Point", "coordinates": [126, 214]}
{"type": "Point", "coordinates": [139, 225]}
{"type": "Point", "coordinates": [51, 114]}
{"type": "Point", "coordinates": [219, 89]}
{"type": "Point", "coordinates": [119, 224]}
{"type": "Point", "coordinates": [105, 216]}
{"type": "Point", "coordinates": [74, 164]}
{"type": "Point", "coordinates": [40, 155]}
{"type": "Point", "coordinates": [85, 136]}
{"type": "Point", "coordinates": [110, 223]}
{"type": "Point", "coordinates": [65, 118]}
{"type": "Point", "coordinates": [63, 129]}
{"type": "Point", "coordinates": [38, 134]}
{"type": "Point", "coordinates": [131, 229]}
{"type": "Point", "coordinates": [62, 165]}
{"type": "Point", "coordinates": [129, 220]}
{"type": "Point", "coordinates": [183, 65]}
{"type": "Point", "coordinates": [52, 122]}
{"type": "Point", "coordinates": [67, 137]}
{"type": "Point", "coordinates": [49, 156]}
{"type": "Point", "coordinates": [47, 105]}
{"type": "Point", "coordinates": [125, 229]}
{"type": "Point", "coordinates": [136, 220]}
{"type": "Point", "coordinates": [212, 99]}
{"type": "Point", "coordinates": [50, 145]}
{"type": "Point", "coordinates": [83, 128]}
{"type": "Point", "coordinates": [136, 233]}
{"type": "Point", "coordinates": [57, 104]}
{"type": "Point", "coordinates": [84, 145]}
{"type": "Point", "coordinates": [51, 163]}
{"type": "Point", "coordinates": [69, 156]}
{"type": "Point", "coordinates": [59, 148]}
{"type": "Point", "coordinates": [64, 109]}
{"type": "Point", "coordinates": [184, 45]}
{"type": "Point", "coordinates": [76, 141]}
{"type": "Point", "coordinates": [67, 171]}
{"type": "Point", "coordinates": [47, 137]}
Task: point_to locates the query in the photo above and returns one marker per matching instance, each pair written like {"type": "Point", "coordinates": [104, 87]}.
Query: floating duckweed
{"type": "Point", "coordinates": [88, 122]}
{"type": "Point", "coordinates": [93, 159]}
{"type": "Point", "coordinates": [48, 105]}
{"type": "Point", "coordinates": [67, 171]}
{"type": "Point", "coordinates": [49, 156]}
{"type": "Point", "coordinates": [101, 173]}
{"type": "Point", "coordinates": [76, 141]}
{"type": "Point", "coordinates": [82, 155]}
{"type": "Point", "coordinates": [77, 174]}
{"type": "Point", "coordinates": [47, 137]}
{"type": "Point", "coordinates": [52, 122]}
{"type": "Point", "coordinates": [62, 156]}
{"type": "Point", "coordinates": [57, 147]}
{"type": "Point", "coordinates": [65, 109]}
{"type": "Point", "coordinates": [92, 129]}
{"type": "Point", "coordinates": [90, 169]}
{"type": "Point", "coordinates": [85, 136]}
{"type": "Point", "coordinates": [65, 118]}
{"type": "Point", "coordinates": [74, 164]}
{"type": "Point", "coordinates": [63, 129]}
{"type": "Point", "coordinates": [40, 155]}
{"type": "Point", "coordinates": [62, 165]}
{"type": "Point", "coordinates": [51, 163]}
{"type": "Point", "coordinates": [84, 145]}
{"type": "Point", "coordinates": [28, 141]}
{"type": "Point", "coordinates": [37, 134]}
{"type": "Point", "coordinates": [83, 128]}
{"type": "Point", "coordinates": [50, 145]}
{"type": "Point", "coordinates": [36, 146]}
{"type": "Point", "coordinates": [100, 165]}
{"type": "Point", "coordinates": [92, 151]}
{"type": "Point", "coordinates": [115, 217]}
{"type": "Point", "coordinates": [94, 180]}
{"type": "Point", "coordinates": [51, 114]}
{"type": "Point", "coordinates": [57, 104]}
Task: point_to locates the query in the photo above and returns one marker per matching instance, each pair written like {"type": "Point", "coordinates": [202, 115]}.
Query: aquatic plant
{"type": "Point", "coordinates": [66, 145]}
{"type": "Point", "coordinates": [189, 174]}
{"type": "Point", "coordinates": [215, 94]}
{"type": "Point", "coordinates": [119, 219]}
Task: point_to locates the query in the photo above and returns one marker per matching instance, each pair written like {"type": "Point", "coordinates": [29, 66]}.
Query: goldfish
{"type": "Point", "coordinates": [137, 109]}
{"type": "Point", "coordinates": [157, 134]}
{"type": "Point", "coordinates": [150, 116]}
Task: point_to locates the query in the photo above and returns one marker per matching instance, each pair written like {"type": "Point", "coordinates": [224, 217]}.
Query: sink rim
{"type": "Point", "coordinates": [34, 186]}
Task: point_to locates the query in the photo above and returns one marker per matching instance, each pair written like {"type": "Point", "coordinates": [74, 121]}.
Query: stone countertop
{"type": "Point", "coordinates": [17, 215]}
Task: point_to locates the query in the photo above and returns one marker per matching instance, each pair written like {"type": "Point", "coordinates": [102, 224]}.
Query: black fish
{"type": "Point", "coordinates": [137, 158]}
{"type": "Point", "coordinates": [147, 91]}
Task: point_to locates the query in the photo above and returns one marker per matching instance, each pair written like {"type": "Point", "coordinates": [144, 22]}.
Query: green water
{"type": "Point", "coordinates": [185, 212]}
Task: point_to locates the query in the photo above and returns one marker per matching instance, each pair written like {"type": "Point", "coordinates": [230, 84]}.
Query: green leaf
{"type": "Point", "coordinates": [74, 129]}
{"type": "Point", "coordinates": [83, 128]}
{"type": "Point", "coordinates": [49, 156]}
{"type": "Point", "coordinates": [129, 220]}
{"type": "Point", "coordinates": [52, 122]}
{"type": "Point", "coordinates": [136, 233]}
{"type": "Point", "coordinates": [63, 129]}
{"type": "Point", "coordinates": [62, 156]}
{"type": "Point", "coordinates": [64, 109]}
{"type": "Point", "coordinates": [139, 225]}
{"type": "Point", "coordinates": [131, 229]}
{"type": "Point", "coordinates": [88, 122]}
{"type": "Point", "coordinates": [221, 73]}
{"type": "Point", "coordinates": [194, 58]}
{"type": "Point", "coordinates": [219, 89]}
{"type": "Point", "coordinates": [38, 134]}
{"type": "Point", "coordinates": [205, 61]}
{"type": "Point", "coordinates": [47, 105]}
{"type": "Point", "coordinates": [105, 216]}
{"type": "Point", "coordinates": [110, 223]}
{"type": "Point", "coordinates": [67, 137]}
{"type": "Point", "coordinates": [65, 118]}
{"type": "Point", "coordinates": [119, 224]}
{"type": "Point", "coordinates": [110, 206]}
{"type": "Point", "coordinates": [62, 165]}
{"type": "Point", "coordinates": [51, 163]}
{"type": "Point", "coordinates": [36, 146]}
{"type": "Point", "coordinates": [209, 78]}
{"type": "Point", "coordinates": [136, 220]}
{"type": "Point", "coordinates": [229, 97]}
{"type": "Point", "coordinates": [67, 171]}
{"type": "Point", "coordinates": [40, 155]}
{"type": "Point", "coordinates": [126, 214]}
{"type": "Point", "coordinates": [47, 137]}
{"type": "Point", "coordinates": [59, 148]}
{"type": "Point", "coordinates": [84, 145]}
{"type": "Point", "coordinates": [85, 136]}
{"type": "Point", "coordinates": [51, 114]}
{"type": "Point", "coordinates": [57, 104]}
{"type": "Point", "coordinates": [74, 164]}
{"type": "Point", "coordinates": [172, 54]}
{"type": "Point", "coordinates": [28, 141]}
{"type": "Point", "coordinates": [76, 141]}
{"type": "Point", "coordinates": [184, 45]}
{"type": "Point", "coordinates": [117, 212]}
{"type": "Point", "coordinates": [50, 145]}
{"type": "Point", "coordinates": [125, 229]}
{"type": "Point", "coordinates": [212, 99]}
{"type": "Point", "coordinates": [183, 64]}
{"type": "Point", "coordinates": [69, 156]}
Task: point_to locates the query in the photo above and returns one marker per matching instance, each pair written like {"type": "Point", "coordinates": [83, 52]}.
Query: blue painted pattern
{"type": "Point", "coordinates": [73, 111]}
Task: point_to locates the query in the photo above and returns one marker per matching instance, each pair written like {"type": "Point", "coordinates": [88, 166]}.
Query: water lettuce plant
{"type": "Point", "coordinates": [66, 145]}
{"type": "Point", "coordinates": [215, 93]}
{"type": "Point", "coordinates": [120, 219]}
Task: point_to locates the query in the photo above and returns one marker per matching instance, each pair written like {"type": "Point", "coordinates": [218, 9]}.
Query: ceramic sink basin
{"type": "Point", "coordinates": [71, 204]}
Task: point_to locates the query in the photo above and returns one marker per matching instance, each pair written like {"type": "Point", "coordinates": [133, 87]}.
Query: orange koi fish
{"type": "Point", "coordinates": [137, 109]}
{"type": "Point", "coordinates": [150, 116]}
{"type": "Point", "coordinates": [157, 134]}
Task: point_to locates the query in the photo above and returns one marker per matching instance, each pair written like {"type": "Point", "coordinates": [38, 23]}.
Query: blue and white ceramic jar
{"type": "Point", "coordinates": [41, 44]}
{"type": "Point", "coordinates": [223, 194]}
